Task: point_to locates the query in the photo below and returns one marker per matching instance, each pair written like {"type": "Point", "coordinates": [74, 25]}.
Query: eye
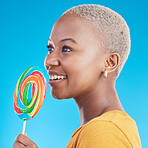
{"type": "Point", "coordinates": [50, 48]}
{"type": "Point", "coordinates": [66, 49]}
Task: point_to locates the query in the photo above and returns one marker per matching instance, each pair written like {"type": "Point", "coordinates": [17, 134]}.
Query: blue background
{"type": "Point", "coordinates": [24, 30]}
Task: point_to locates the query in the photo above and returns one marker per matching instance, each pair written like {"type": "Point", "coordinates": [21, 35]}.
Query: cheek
{"type": "Point", "coordinates": [82, 76]}
{"type": "Point", "coordinates": [80, 67]}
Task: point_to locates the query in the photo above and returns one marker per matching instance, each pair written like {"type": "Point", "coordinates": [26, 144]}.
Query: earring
{"type": "Point", "coordinates": [105, 73]}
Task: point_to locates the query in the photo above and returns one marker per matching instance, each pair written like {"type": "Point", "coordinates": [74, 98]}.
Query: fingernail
{"type": "Point", "coordinates": [15, 138]}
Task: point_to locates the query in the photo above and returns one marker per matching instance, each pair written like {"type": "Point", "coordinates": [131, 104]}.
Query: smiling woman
{"type": "Point", "coordinates": [87, 49]}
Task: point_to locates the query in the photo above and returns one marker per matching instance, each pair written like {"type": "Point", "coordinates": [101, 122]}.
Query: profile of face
{"type": "Point", "coordinates": [74, 52]}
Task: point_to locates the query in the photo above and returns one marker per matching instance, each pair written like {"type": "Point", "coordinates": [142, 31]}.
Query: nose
{"type": "Point", "coordinates": [51, 60]}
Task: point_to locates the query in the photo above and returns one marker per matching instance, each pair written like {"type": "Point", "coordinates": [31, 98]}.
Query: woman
{"type": "Point", "coordinates": [88, 47]}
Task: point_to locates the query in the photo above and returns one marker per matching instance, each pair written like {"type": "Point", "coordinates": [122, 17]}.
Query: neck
{"type": "Point", "coordinates": [96, 102]}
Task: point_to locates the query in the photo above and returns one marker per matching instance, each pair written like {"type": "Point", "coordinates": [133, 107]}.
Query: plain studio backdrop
{"type": "Point", "coordinates": [25, 26]}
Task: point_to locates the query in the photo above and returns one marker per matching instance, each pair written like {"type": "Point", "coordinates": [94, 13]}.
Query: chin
{"type": "Point", "coordinates": [59, 96]}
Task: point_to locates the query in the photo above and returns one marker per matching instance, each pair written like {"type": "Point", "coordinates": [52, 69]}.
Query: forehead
{"type": "Point", "coordinates": [73, 27]}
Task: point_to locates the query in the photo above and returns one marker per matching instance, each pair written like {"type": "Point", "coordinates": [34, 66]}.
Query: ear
{"type": "Point", "coordinates": [112, 62]}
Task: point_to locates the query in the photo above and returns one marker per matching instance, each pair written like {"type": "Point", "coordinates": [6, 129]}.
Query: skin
{"type": "Point", "coordinates": [84, 64]}
{"type": "Point", "coordinates": [22, 141]}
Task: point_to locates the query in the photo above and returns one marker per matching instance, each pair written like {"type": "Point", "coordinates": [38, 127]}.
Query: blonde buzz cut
{"type": "Point", "coordinates": [112, 30]}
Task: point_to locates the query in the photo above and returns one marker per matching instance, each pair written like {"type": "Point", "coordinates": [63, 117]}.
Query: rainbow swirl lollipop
{"type": "Point", "coordinates": [29, 93]}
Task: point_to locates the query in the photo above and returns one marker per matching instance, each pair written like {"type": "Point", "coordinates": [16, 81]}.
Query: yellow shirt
{"type": "Point", "coordinates": [113, 129]}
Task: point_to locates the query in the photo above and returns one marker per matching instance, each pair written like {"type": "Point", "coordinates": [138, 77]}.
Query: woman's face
{"type": "Point", "coordinates": [73, 51]}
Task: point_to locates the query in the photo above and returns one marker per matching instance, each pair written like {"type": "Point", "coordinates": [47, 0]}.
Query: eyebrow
{"type": "Point", "coordinates": [70, 39]}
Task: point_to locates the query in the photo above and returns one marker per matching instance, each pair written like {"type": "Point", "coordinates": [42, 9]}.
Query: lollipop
{"type": "Point", "coordinates": [29, 94]}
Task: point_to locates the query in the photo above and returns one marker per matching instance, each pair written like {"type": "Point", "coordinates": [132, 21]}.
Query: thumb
{"type": "Point", "coordinates": [25, 134]}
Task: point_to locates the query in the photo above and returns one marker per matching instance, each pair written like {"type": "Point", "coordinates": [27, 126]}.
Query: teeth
{"type": "Point", "coordinates": [52, 77]}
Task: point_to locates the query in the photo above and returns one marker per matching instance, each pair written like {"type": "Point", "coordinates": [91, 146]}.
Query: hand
{"type": "Point", "coordinates": [22, 141]}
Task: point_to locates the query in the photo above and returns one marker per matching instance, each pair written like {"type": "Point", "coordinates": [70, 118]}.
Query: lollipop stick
{"type": "Point", "coordinates": [24, 125]}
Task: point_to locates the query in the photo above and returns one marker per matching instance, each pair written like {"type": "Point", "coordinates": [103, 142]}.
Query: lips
{"type": "Point", "coordinates": [54, 82]}
{"type": "Point", "coordinates": [51, 72]}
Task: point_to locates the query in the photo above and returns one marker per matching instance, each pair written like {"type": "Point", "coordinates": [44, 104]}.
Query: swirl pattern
{"type": "Point", "coordinates": [29, 93]}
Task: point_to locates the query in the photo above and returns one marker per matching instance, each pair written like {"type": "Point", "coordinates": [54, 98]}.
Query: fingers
{"type": "Point", "coordinates": [23, 141]}
{"type": "Point", "coordinates": [18, 145]}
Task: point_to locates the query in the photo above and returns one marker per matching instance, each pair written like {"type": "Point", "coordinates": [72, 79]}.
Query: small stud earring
{"type": "Point", "coordinates": [105, 73]}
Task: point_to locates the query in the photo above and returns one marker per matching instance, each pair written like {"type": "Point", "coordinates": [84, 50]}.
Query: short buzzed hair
{"type": "Point", "coordinates": [112, 30]}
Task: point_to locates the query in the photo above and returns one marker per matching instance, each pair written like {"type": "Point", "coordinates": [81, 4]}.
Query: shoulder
{"type": "Point", "coordinates": [96, 129]}
{"type": "Point", "coordinates": [102, 132]}
{"type": "Point", "coordinates": [108, 122]}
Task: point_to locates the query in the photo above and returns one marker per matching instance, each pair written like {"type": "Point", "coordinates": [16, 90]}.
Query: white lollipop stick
{"type": "Point", "coordinates": [24, 125]}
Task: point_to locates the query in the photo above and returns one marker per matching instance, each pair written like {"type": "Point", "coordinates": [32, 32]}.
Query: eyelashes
{"type": "Point", "coordinates": [65, 48]}
{"type": "Point", "coordinates": [49, 48]}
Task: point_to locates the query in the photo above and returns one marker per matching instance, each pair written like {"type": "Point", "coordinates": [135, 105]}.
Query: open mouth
{"type": "Point", "coordinates": [54, 79]}
{"type": "Point", "coordinates": [57, 77]}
